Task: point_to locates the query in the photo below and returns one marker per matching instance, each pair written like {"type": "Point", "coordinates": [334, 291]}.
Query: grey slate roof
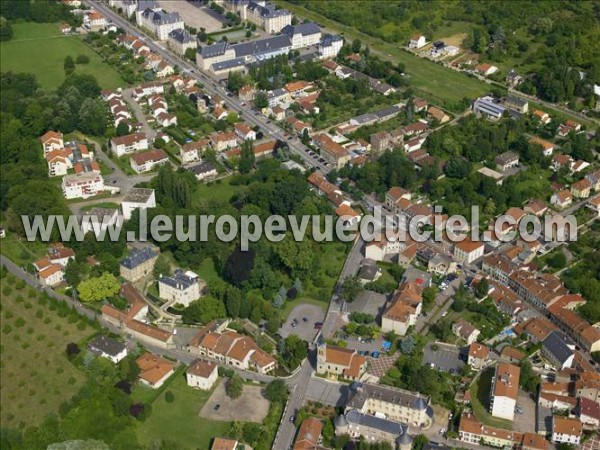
{"type": "Point", "coordinates": [160, 17]}
{"type": "Point", "coordinates": [137, 257]}
{"type": "Point", "coordinates": [377, 423]}
{"type": "Point", "coordinates": [216, 49]}
{"type": "Point", "coordinates": [262, 46]}
{"type": "Point", "coordinates": [181, 35]}
{"type": "Point", "coordinates": [106, 345]}
{"type": "Point", "coordinates": [329, 39]}
{"type": "Point", "coordinates": [556, 344]}
{"type": "Point", "coordinates": [179, 280]}
{"type": "Point", "coordinates": [147, 4]}
{"type": "Point", "coordinates": [203, 167]}
{"type": "Point", "coordinates": [230, 64]}
{"type": "Point", "coordinates": [305, 29]}
{"type": "Point", "coordinates": [388, 394]}
{"type": "Point", "coordinates": [267, 11]}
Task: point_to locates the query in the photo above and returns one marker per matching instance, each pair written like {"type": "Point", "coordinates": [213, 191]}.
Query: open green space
{"type": "Point", "coordinates": [431, 80]}
{"type": "Point", "coordinates": [220, 190]}
{"type": "Point", "coordinates": [36, 374]}
{"type": "Point", "coordinates": [480, 401]}
{"type": "Point", "coordinates": [179, 421]}
{"type": "Point", "coordinates": [41, 49]}
{"type": "Point", "coordinates": [20, 251]}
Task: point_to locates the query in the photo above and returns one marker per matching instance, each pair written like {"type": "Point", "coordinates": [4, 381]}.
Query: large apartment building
{"type": "Point", "coordinates": [391, 403]}
{"type": "Point", "coordinates": [504, 391]}
{"type": "Point", "coordinates": [160, 22]}
{"type": "Point", "coordinates": [261, 13]}
{"type": "Point", "coordinates": [82, 185]}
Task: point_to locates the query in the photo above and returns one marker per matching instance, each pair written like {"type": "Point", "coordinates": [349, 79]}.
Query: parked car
{"type": "Point", "coordinates": [292, 418]}
{"type": "Point", "coordinates": [318, 325]}
{"type": "Point", "coordinates": [305, 319]}
{"type": "Point", "coordinates": [217, 406]}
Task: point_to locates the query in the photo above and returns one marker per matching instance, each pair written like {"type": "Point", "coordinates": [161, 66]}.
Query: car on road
{"type": "Point", "coordinates": [292, 418]}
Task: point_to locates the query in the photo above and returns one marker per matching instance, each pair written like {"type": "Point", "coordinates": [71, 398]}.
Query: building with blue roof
{"type": "Point", "coordinates": [138, 264]}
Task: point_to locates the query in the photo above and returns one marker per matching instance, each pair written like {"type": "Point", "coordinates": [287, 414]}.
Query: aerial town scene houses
{"type": "Point", "coordinates": [148, 109]}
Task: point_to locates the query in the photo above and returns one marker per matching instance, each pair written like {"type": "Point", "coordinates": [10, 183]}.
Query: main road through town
{"type": "Point", "coordinates": [211, 86]}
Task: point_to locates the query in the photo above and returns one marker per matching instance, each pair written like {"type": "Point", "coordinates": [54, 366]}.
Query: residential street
{"type": "Point", "coordinates": [212, 87]}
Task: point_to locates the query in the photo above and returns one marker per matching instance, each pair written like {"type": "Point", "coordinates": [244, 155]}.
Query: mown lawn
{"type": "Point", "coordinates": [20, 251]}
{"type": "Point", "coordinates": [220, 190]}
{"type": "Point", "coordinates": [432, 80]}
{"type": "Point", "coordinates": [179, 421]}
{"type": "Point", "coordinates": [41, 49]}
{"type": "Point", "coordinates": [36, 374]}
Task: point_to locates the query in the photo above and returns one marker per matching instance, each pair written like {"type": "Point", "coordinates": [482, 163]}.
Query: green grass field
{"type": "Point", "coordinates": [20, 251]}
{"type": "Point", "coordinates": [179, 421]}
{"type": "Point", "coordinates": [220, 190]}
{"type": "Point", "coordinates": [432, 80]}
{"type": "Point", "coordinates": [36, 375]}
{"type": "Point", "coordinates": [41, 49]}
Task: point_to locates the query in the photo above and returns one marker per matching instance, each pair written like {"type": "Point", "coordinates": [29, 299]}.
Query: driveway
{"type": "Point", "coordinates": [305, 330]}
{"type": "Point", "coordinates": [140, 115]}
{"type": "Point", "coordinates": [447, 357]}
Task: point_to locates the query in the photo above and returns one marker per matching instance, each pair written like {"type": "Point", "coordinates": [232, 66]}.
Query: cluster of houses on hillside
{"type": "Point", "coordinates": [75, 163]}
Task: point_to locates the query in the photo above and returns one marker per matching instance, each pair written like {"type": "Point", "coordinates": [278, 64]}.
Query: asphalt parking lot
{"type": "Point", "coordinates": [526, 421]}
{"type": "Point", "coordinates": [327, 392]}
{"type": "Point", "coordinates": [447, 357]}
{"type": "Point", "coordinates": [305, 330]}
{"type": "Point", "coordinates": [368, 302]}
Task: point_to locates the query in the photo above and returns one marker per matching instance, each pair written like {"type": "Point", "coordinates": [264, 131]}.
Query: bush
{"type": "Point", "coordinates": [82, 59]}
{"type": "Point", "coordinates": [169, 397]}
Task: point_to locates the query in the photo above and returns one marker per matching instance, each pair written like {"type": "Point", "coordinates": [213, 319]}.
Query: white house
{"type": "Point", "coordinates": [182, 287]}
{"type": "Point", "coordinates": [130, 143]}
{"type": "Point", "coordinates": [467, 251]}
{"type": "Point", "coordinates": [82, 185]}
{"type": "Point", "coordinates": [154, 370]}
{"type": "Point", "coordinates": [416, 41]}
{"type": "Point", "coordinates": [566, 430]}
{"type": "Point", "coordinates": [52, 141]}
{"type": "Point", "coordinates": [108, 348]}
{"type": "Point", "coordinates": [137, 198]}
{"type": "Point", "coordinates": [146, 161]}
{"type": "Point", "coordinates": [244, 132]}
{"type": "Point", "coordinates": [329, 46]}
{"type": "Point", "coordinates": [202, 374]}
